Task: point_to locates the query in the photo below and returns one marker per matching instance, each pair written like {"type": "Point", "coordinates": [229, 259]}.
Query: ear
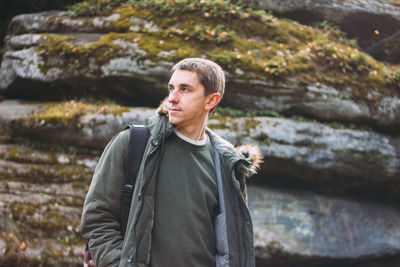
{"type": "Point", "coordinates": [212, 101]}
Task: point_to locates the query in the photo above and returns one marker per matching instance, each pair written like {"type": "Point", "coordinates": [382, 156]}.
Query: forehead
{"type": "Point", "coordinates": [187, 77]}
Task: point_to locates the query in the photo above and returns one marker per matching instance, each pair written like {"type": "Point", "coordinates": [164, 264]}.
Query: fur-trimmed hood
{"type": "Point", "coordinates": [163, 107]}
{"type": "Point", "coordinates": [253, 155]}
{"type": "Point", "coordinates": [250, 152]}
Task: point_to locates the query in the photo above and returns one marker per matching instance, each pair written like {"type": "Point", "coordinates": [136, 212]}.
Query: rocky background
{"type": "Point", "coordinates": [315, 84]}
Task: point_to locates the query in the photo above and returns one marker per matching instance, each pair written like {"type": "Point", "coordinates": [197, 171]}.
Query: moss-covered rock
{"type": "Point", "coordinates": [321, 157]}
{"type": "Point", "coordinates": [41, 205]}
{"type": "Point", "coordinates": [272, 63]}
{"type": "Point", "coordinates": [77, 124]}
{"type": "Point", "coordinates": [349, 158]}
{"type": "Point", "coordinates": [44, 182]}
{"type": "Point", "coordinates": [369, 21]}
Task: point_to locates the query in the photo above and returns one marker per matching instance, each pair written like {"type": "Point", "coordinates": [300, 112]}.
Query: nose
{"type": "Point", "coordinates": [173, 96]}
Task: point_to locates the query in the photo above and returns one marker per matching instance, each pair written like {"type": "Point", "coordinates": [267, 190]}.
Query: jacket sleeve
{"type": "Point", "coordinates": [100, 223]}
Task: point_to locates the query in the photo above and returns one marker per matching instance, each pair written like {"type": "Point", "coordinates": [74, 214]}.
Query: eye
{"type": "Point", "coordinates": [185, 89]}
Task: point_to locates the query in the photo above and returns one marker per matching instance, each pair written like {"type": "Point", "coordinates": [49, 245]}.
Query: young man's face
{"type": "Point", "coordinates": [187, 102]}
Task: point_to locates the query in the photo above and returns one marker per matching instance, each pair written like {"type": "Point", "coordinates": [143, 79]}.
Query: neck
{"type": "Point", "coordinates": [194, 132]}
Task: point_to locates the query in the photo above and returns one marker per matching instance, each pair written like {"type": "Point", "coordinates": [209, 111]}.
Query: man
{"type": "Point", "coordinates": [189, 202]}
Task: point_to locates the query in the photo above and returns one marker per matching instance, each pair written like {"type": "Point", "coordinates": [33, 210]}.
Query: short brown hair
{"type": "Point", "coordinates": [210, 74]}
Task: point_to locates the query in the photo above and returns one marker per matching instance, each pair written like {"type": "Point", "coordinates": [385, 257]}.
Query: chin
{"type": "Point", "coordinates": [173, 120]}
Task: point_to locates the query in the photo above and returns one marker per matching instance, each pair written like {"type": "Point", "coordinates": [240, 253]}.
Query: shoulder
{"type": "Point", "coordinates": [119, 142]}
{"type": "Point", "coordinates": [222, 146]}
{"type": "Point", "coordinates": [225, 148]}
{"type": "Point", "coordinates": [122, 138]}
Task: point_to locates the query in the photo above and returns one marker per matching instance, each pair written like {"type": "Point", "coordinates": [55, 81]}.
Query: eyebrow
{"type": "Point", "coordinates": [181, 85]}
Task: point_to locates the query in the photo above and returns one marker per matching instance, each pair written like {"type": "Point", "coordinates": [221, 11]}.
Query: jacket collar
{"type": "Point", "coordinates": [249, 154]}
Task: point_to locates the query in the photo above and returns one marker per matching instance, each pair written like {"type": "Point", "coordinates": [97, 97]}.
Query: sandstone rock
{"type": "Point", "coordinates": [8, 9]}
{"type": "Point", "coordinates": [43, 173]}
{"type": "Point", "coordinates": [25, 73]}
{"type": "Point", "coordinates": [10, 110]}
{"type": "Point", "coordinates": [369, 21]}
{"type": "Point", "coordinates": [43, 187]}
{"type": "Point", "coordinates": [43, 66]}
{"type": "Point", "coordinates": [59, 21]}
{"type": "Point", "coordinates": [40, 223]}
{"type": "Point", "coordinates": [292, 227]}
{"type": "Point", "coordinates": [91, 130]}
{"type": "Point", "coordinates": [295, 228]}
{"type": "Point", "coordinates": [317, 101]}
{"type": "Point", "coordinates": [306, 154]}
{"type": "Point", "coordinates": [41, 199]}
{"type": "Point", "coordinates": [316, 156]}
{"type": "Point", "coordinates": [123, 77]}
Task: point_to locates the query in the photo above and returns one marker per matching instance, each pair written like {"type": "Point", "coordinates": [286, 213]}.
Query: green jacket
{"type": "Point", "coordinates": [101, 213]}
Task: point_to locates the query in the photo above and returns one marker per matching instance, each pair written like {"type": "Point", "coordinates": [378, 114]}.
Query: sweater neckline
{"type": "Point", "coordinates": [201, 142]}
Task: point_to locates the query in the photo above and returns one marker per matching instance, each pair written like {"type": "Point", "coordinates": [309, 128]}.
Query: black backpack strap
{"type": "Point", "coordinates": [139, 135]}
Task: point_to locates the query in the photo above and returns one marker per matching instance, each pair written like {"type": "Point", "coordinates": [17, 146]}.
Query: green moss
{"type": "Point", "coordinates": [237, 36]}
{"type": "Point", "coordinates": [388, 156]}
{"type": "Point", "coordinates": [251, 124]}
{"type": "Point", "coordinates": [221, 122]}
{"type": "Point", "coordinates": [59, 173]}
{"type": "Point", "coordinates": [25, 155]}
{"type": "Point", "coordinates": [55, 253]}
{"type": "Point", "coordinates": [66, 113]}
{"type": "Point", "coordinates": [274, 248]}
{"type": "Point", "coordinates": [54, 43]}
{"type": "Point", "coordinates": [302, 119]}
{"type": "Point", "coordinates": [79, 185]}
{"type": "Point", "coordinates": [68, 240]}
{"type": "Point", "coordinates": [126, 12]}
{"type": "Point", "coordinates": [344, 126]}
{"type": "Point", "coordinates": [45, 217]}
{"type": "Point", "coordinates": [231, 112]}
{"type": "Point", "coordinates": [91, 8]}
{"type": "Point", "coordinates": [395, 2]}
{"type": "Point", "coordinates": [73, 201]}
{"type": "Point", "coordinates": [222, 114]}
{"type": "Point", "coordinates": [397, 76]}
{"type": "Point", "coordinates": [18, 210]}
{"type": "Point", "coordinates": [76, 56]}
{"type": "Point", "coordinates": [264, 137]}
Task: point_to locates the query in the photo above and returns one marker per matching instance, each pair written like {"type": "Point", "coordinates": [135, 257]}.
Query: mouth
{"type": "Point", "coordinates": [174, 109]}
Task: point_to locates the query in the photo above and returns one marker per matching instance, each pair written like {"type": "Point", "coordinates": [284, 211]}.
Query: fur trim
{"type": "Point", "coordinates": [163, 108]}
{"type": "Point", "coordinates": [253, 154]}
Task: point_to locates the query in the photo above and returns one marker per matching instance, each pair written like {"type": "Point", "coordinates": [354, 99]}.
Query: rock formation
{"type": "Point", "coordinates": [294, 228]}
{"type": "Point", "coordinates": [75, 57]}
{"type": "Point", "coordinates": [325, 115]}
{"type": "Point", "coordinates": [321, 225]}
{"type": "Point", "coordinates": [369, 21]}
{"type": "Point", "coordinates": [9, 9]}
{"type": "Point", "coordinates": [42, 193]}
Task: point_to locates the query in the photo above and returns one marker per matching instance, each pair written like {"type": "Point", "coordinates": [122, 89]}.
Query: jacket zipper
{"type": "Point", "coordinates": [141, 190]}
{"type": "Point", "coordinates": [139, 198]}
